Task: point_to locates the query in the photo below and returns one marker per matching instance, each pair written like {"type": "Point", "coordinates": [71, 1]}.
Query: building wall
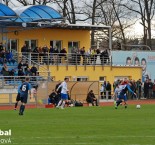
{"type": "Point", "coordinates": [45, 35]}
{"type": "Point", "coordinates": [94, 73]}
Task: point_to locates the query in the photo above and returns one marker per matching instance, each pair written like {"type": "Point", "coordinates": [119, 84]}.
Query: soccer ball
{"type": "Point", "coordinates": [138, 106]}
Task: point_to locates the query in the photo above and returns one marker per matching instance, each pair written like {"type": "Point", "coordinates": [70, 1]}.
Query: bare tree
{"type": "Point", "coordinates": [34, 2]}
{"type": "Point", "coordinates": [145, 10]}
{"type": "Point", "coordinates": [69, 9]}
{"type": "Point", "coordinates": [111, 13]}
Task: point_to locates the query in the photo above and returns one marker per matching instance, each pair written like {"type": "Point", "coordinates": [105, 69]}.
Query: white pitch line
{"type": "Point", "coordinates": [59, 143]}
{"type": "Point", "coordinates": [76, 137]}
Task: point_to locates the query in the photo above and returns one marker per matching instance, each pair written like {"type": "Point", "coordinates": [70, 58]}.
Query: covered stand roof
{"type": "Point", "coordinates": [33, 13]}
{"type": "Point", "coordinates": [6, 12]}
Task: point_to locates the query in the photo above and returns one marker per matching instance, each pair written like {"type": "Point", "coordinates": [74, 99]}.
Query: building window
{"type": "Point", "coordinates": [73, 44]}
{"type": "Point", "coordinates": [82, 78]}
{"type": "Point", "coordinates": [13, 44]}
{"type": "Point", "coordinates": [31, 43]}
{"type": "Point", "coordinates": [101, 78]}
{"type": "Point", "coordinates": [56, 43]}
{"type": "Point", "coordinates": [121, 78]}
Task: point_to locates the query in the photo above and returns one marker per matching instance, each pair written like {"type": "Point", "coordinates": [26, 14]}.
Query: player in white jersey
{"type": "Point", "coordinates": [64, 93]}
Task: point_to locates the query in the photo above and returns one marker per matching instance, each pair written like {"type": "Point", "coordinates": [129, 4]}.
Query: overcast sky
{"type": "Point", "coordinates": [137, 29]}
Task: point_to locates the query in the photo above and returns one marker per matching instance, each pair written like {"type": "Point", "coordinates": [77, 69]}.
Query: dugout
{"type": "Point", "coordinates": [77, 90]}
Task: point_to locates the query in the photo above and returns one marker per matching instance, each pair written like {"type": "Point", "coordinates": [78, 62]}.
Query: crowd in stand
{"type": "Point", "coordinates": [77, 55]}
{"type": "Point", "coordinates": [5, 56]}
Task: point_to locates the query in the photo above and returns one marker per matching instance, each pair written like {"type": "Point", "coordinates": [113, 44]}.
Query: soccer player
{"type": "Point", "coordinates": [18, 97]}
{"type": "Point", "coordinates": [64, 93]}
{"type": "Point", "coordinates": [116, 92]}
{"type": "Point", "coordinates": [122, 95]}
{"type": "Point", "coordinates": [24, 90]}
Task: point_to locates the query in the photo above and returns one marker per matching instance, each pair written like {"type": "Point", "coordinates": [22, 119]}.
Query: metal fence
{"type": "Point", "coordinates": [65, 59]}
{"type": "Point", "coordinates": [77, 90]}
{"type": "Point", "coordinates": [9, 87]}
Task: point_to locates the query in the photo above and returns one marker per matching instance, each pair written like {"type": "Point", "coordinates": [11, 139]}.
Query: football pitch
{"type": "Point", "coordinates": [80, 126]}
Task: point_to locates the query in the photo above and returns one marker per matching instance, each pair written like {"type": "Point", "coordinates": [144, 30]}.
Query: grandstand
{"type": "Point", "coordinates": [50, 44]}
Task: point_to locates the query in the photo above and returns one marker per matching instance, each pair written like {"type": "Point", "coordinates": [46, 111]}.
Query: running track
{"type": "Point", "coordinates": [130, 102]}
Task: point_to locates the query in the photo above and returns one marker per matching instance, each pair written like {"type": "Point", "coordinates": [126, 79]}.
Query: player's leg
{"type": "Point", "coordinates": [125, 101]}
{"type": "Point", "coordinates": [119, 100]}
{"type": "Point", "coordinates": [17, 100]}
{"type": "Point", "coordinates": [64, 99]}
{"type": "Point", "coordinates": [22, 107]}
{"type": "Point", "coordinates": [59, 103]}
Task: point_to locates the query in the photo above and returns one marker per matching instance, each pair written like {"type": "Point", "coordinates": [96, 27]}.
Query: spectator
{"type": "Point", "coordinates": [83, 54]}
{"type": "Point", "coordinates": [20, 72]}
{"type": "Point", "coordinates": [150, 88]}
{"type": "Point", "coordinates": [62, 54]}
{"type": "Point", "coordinates": [108, 89]}
{"type": "Point", "coordinates": [88, 55]}
{"type": "Point", "coordinates": [102, 91]}
{"type": "Point", "coordinates": [91, 98]}
{"type": "Point", "coordinates": [24, 50]}
{"type": "Point", "coordinates": [56, 55]}
{"type": "Point", "coordinates": [139, 88]}
{"type": "Point", "coordinates": [146, 89]}
{"type": "Point", "coordinates": [40, 54]}
{"type": "Point", "coordinates": [104, 84]}
{"type": "Point", "coordinates": [9, 57]}
{"type": "Point", "coordinates": [51, 51]}
{"type": "Point", "coordinates": [5, 71]}
{"type": "Point", "coordinates": [25, 66]}
{"type": "Point", "coordinates": [28, 72]}
{"type": "Point", "coordinates": [20, 65]}
{"type": "Point", "coordinates": [78, 58]}
{"type": "Point", "coordinates": [34, 69]}
{"type": "Point", "coordinates": [52, 98]}
{"type": "Point", "coordinates": [12, 72]}
{"type": "Point", "coordinates": [133, 88]}
{"type": "Point", "coordinates": [45, 54]}
{"type": "Point", "coordinates": [58, 91]}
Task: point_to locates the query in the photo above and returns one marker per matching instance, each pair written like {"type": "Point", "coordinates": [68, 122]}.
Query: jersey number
{"type": "Point", "coordinates": [24, 88]}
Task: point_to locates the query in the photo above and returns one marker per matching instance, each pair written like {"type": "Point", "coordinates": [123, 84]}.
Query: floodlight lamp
{"type": "Point", "coordinates": [24, 25]}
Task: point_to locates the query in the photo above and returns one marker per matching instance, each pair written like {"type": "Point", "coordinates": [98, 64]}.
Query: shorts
{"type": "Point", "coordinates": [24, 98]}
{"type": "Point", "coordinates": [122, 97]}
{"type": "Point", "coordinates": [18, 97]}
{"type": "Point", "coordinates": [64, 96]}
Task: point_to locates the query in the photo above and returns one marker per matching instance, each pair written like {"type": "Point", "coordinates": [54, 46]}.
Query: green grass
{"type": "Point", "coordinates": [81, 126]}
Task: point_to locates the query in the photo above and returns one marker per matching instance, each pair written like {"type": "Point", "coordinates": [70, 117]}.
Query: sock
{"type": "Point", "coordinates": [59, 103]}
{"type": "Point", "coordinates": [20, 110]}
{"type": "Point", "coordinates": [23, 108]}
{"type": "Point", "coordinates": [63, 104]}
{"type": "Point", "coordinates": [16, 104]}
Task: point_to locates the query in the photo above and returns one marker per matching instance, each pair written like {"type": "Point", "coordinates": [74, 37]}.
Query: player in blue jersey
{"type": "Point", "coordinates": [24, 90]}
{"type": "Point", "coordinates": [18, 97]}
{"type": "Point", "coordinates": [122, 95]}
